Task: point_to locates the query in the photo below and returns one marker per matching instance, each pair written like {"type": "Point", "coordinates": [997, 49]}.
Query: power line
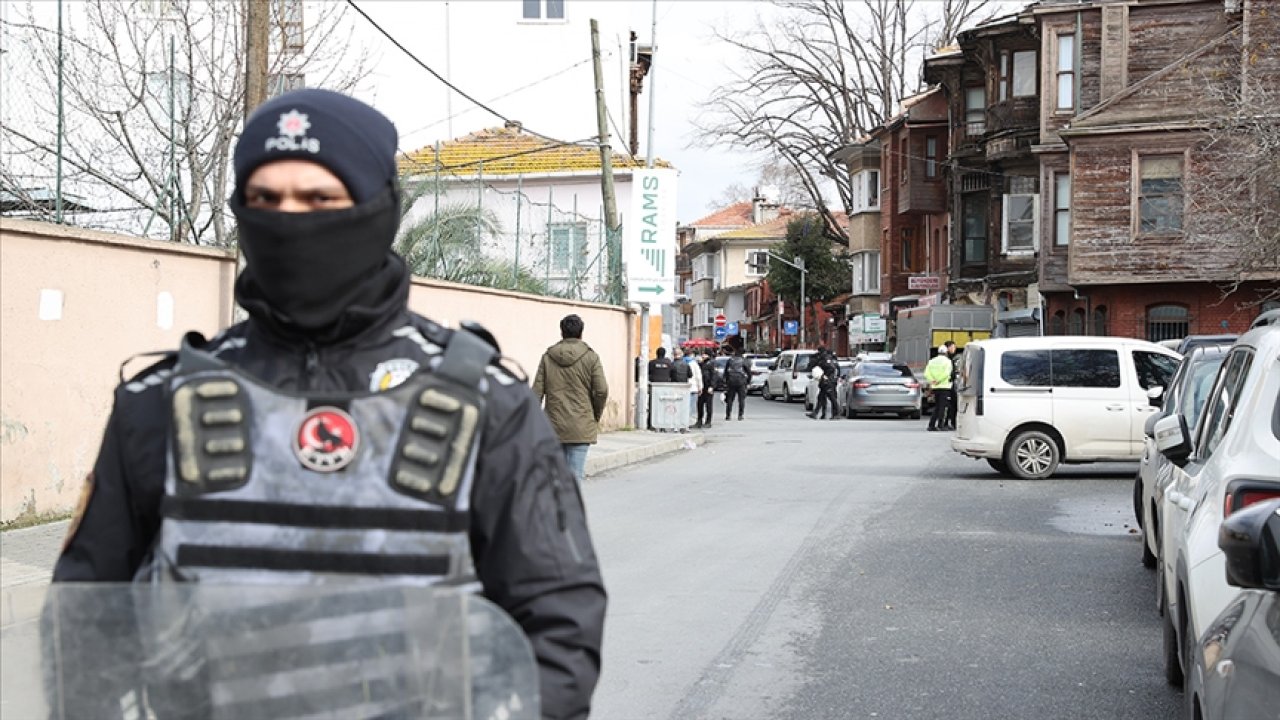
{"type": "Point", "coordinates": [504, 95]}
{"type": "Point", "coordinates": [440, 77]}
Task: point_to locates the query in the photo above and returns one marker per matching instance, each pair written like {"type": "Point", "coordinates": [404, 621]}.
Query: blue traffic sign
{"type": "Point", "coordinates": [791, 327]}
{"type": "Point", "coordinates": [731, 328]}
{"type": "Point", "coordinates": [720, 333]}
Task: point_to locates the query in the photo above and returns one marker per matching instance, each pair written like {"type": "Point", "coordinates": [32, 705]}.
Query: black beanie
{"type": "Point", "coordinates": [351, 139]}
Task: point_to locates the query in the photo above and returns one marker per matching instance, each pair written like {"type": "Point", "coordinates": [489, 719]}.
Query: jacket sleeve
{"type": "Point", "coordinates": [540, 380]}
{"type": "Point", "coordinates": [599, 389]}
{"type": "Point", "coordinates": [106, 541]}
{"type": "Point", "coordinates": [533, 552]}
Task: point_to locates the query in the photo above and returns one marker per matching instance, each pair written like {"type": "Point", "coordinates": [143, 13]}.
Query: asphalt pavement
{"type": "Point", "coordinates": [797, 569]}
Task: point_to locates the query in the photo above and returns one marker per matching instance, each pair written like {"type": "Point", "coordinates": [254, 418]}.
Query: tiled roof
{"type": "Point", "coordinates": [511, 151]}
{"type": "Point", "coordinates": [775, 229]}
{"type": "Point", "coordinates": [736, 215]}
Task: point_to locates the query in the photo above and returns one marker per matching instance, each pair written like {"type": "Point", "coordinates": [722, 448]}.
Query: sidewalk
{"type": "Point", "coordinates": [27, 555]}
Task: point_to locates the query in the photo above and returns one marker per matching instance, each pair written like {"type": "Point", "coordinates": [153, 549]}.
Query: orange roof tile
{"type": "Point", "coordinates": [736, 215]}
{"type": "Point", "coordinates": [510, 151]}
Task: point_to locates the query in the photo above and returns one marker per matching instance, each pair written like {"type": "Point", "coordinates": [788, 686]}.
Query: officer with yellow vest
{"type": "Point", "coordinates": [938, 374]}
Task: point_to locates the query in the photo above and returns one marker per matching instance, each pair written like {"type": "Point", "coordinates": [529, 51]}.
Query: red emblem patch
{"type": "Point", "coordinates": [326, 440]}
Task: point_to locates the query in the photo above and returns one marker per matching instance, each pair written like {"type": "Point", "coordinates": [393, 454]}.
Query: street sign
{"type": "Point", "coordinates": [720, 320]}
{"type": "Point", "coordinates": [791, 327]}
{"type": "Point", "coordinates": [873, 324]}
{"type": "Point", "coordinates": [649, 237]}
{"type": "Point", "coordinates": [731, 328]}
{"type": "Point", "coordinates": [720, 333]}
{"type": "Point", "coordinates": [924, 282]}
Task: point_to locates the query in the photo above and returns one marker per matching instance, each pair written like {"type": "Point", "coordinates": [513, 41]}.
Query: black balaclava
{"type": "Point", "coordinates": [321, 276]}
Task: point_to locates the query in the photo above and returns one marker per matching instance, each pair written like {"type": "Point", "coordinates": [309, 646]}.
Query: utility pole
{"type": "Point", "coordinates": [606, 173]}
{"type": "Point", "coordinates": [257, 26]}
{"type": "Point", "coordinates": [798, 264]}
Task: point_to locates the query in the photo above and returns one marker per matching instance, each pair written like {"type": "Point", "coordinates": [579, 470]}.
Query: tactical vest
{"type": "Point", "coordinates": [269, 487]}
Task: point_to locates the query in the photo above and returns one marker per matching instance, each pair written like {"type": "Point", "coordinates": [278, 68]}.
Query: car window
{"type": "Point", "coordinates": [1223, 400]}
{"type": "Point", "coordinates": [1025, 367]}
{"type": "Point", "coordinates": [1191, 402]}
{"type": "Point", "coordinates": [885, 369]}
{"type": "Point", "coordinates": [785, 362]}
{"type": "Point", "coordinates": [803, 362]}
{"type": "Point", "coordinates": [1085, 368]}
{"type": "Point", "coordinates": [1154, 369]}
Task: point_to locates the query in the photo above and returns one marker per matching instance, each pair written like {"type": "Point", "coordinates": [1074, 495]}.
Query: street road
{"type": "Point", "coordinates": [794, 568]}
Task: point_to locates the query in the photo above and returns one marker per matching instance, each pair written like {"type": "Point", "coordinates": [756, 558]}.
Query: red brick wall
{"type": "Point", "coordinates": [1127, 307]}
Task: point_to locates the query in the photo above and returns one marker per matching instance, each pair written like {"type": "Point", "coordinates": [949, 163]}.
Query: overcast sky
{"type": "Point", "coordinates": [690, 65]}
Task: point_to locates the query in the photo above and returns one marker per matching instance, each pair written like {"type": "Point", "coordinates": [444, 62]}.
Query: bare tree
{"type": "Point", "coordinates": [777, 181]}
{"type": "Point", "coordinates": [1233, 193]}
{"type": "Point", "coordinates": [154, 97]}
{"type": "Point", "coordinates": [821, 76]}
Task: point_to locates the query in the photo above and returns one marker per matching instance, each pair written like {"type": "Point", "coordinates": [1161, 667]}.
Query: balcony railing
{"type": "Point", "coordinates": [1021, 113]}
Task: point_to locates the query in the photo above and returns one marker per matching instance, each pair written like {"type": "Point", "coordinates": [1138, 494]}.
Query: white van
{"type": "Point", "coordinates": [1028, 404]}
{"type": "Point", "coordinates": [790, 376]}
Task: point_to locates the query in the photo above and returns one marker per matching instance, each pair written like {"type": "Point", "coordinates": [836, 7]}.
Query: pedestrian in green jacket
{"type": "Point", "coordinates": [571, 384]}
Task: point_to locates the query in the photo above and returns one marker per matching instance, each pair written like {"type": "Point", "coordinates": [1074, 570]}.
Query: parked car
{"type": "Point", "coordinates": [1190, 342]}
{"type": "Point", "coordinates": [790, 377]}
{"type": "Point", "coordinates": [879, 387]}
{"type": "Point", "coordinates": [1027, 405]}
{"type": "Point", "coordinates": [1184, 396]}
{"type": "Point", "coordinates": [811, 390]}
{"type": "Point", "coordinates": [1231, 460]}
{"type": "Point", "coordinates": [760, 369]}
{"type": "Point", "coordinates": [1235, 665]}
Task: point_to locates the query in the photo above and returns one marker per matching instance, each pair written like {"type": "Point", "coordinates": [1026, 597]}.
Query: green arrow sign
{"type": "Point", "coordinates": [655, 289]}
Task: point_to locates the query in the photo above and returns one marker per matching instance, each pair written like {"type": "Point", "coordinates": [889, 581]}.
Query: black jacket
{"type": "Point", "coordinates": [679, 370]}
{"type": "Point", "coordinates": [709, 376]}
{"type": "Point", "coordinates": [529, 537]}
{"type": "Point", "coordinates": [660, 370]}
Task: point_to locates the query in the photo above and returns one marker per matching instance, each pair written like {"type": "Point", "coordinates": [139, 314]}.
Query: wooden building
{"type": "Point", "coordinates": [991, 81]}
{"type": "Point", "coordinates": [1130, 90]}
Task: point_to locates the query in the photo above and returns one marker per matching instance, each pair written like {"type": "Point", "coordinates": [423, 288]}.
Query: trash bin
{"type": "Point", "coordinates": [669, 406]}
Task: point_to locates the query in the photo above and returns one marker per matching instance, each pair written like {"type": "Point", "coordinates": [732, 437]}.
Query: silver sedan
{"type": "Point", "coordinates": [879, 387]}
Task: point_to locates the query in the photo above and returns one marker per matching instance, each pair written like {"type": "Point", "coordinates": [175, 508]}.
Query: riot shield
{"type": "Point", "coordinates": [177, 651]}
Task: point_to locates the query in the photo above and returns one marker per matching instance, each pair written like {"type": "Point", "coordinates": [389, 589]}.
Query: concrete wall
{"type": "Point", "coordinates": [75, 304]}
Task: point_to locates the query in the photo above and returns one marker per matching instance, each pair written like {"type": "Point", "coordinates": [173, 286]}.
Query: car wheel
{"type": "Point", "coordinates": [1032, 455]}
{"type": "Point", "coordinates": [764, 392]}
{"type": "Point", "coordinates": [786, 394]}
{"type": "Point", "coordinates": [915, 415]}
{"type": "Point", "coordinates": [1172, 663]}
{"type": "Point", "coordinates": [998, 466]}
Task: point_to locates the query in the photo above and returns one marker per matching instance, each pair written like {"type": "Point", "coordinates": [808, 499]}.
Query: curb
{"type": "Point", "coordinates": [630, 456]}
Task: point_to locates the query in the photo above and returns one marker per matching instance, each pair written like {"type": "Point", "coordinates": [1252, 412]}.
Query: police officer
{"type": "Point", "coordinates": [334, 407]}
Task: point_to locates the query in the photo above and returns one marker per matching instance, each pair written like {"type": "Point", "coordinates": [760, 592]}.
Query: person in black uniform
{"type": "Point", "coordinates": [826, 385]}
{"type": "Point", "coordinates": [318, 208]}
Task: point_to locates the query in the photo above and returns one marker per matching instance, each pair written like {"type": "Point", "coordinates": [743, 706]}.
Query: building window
{"type": "Point", "coordinates": [1100, 321]}
{"type": "Point", "coordinates": [704, 266]}
{"type": "Point", "coordinates": [1077, 322]}
{"type": "Point", "coordinates": [1167, 322]}
{"type": "Point", "coordinates": [931, 157]}
{"type": "Point", "coordinates": [1021, 223]}
{"type": "Point", "coordinates": [904, 159]}
{"type": "Point", "coordinates": [866, 191]}
{"type": "Point", "coordinates": [1058, 324]}
{"type": "Point", "coordinates": [1066, 72]}
{"type": "Point", "coordinates": [1062, 209]}
{"type": "Point", "coordinates": [704, 313]}
{"type": "Point", "coordinates": [281, 83]}
{"type": "Point", "coordinates": [1159, 194]}
{"type": "Point", "coordinates": [757, 263]}
{"type": "Point", "coordinates": [543, 9]}
{"type": "Point", "coordinates": [568, 247]}
{"type": "Point", "coordinates": [866, 273]}
{"type": "Point", "coordinates": [1017, 74]}
{"type": "Point", "coordinates": [975, 111]}
{"type": "Point", "coordinates": [907, 250]}
{"type": "Point", "coordinates": [975, 229]}
{"type": "Point", "coordinates": [289, 17]}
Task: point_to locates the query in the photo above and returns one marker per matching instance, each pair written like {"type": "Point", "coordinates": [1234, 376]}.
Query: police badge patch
{"type": "Point", "coordinates": [391, 373]}
{"type": "Point", "coordinates": [326, 440]}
